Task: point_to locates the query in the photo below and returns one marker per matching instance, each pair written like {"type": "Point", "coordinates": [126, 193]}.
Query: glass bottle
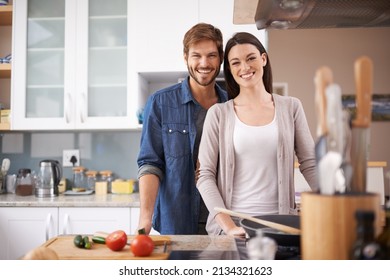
{"type": "Point", "coordinates": [91, 179]}
{"type": "Point", "coordinates": [79, 181]}
{"type": "Point", "coordinates": [106, 175]}
{"type": "Point", "coordinates": [384, 237]}
{"type": "Point", "coordinates": [365, 247]}
{"type": "Point", "coordinates": [24, 182]}
{"type": "Point", "coordinates": [261, 247]}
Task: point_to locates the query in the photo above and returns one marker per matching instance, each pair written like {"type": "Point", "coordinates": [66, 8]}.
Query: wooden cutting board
{"type": "Point", "coordinates": [66, 250]}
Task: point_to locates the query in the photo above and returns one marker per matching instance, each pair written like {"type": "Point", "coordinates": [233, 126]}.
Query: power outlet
{"type": "Point", "coordinates": [67, 155]}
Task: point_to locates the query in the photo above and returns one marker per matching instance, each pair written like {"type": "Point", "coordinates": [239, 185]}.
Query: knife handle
{"type": "Point", "coordinates": [322, 79]}
{"type": "Point", "coordinates": [363, 82]}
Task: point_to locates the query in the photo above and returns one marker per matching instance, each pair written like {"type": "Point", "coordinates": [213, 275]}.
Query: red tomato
{"type": "Point", "coordinates": [142, 245]}
{"type": "Point", "coordinates": [116, 240]}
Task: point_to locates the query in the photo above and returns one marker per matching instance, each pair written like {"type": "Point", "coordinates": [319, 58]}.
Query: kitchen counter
{"type": "Point", "coordinates": [109, 200]}
{"type": "Point", "coordinates": [180, 247]}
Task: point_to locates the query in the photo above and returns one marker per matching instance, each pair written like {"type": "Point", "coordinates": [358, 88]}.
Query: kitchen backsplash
{"type": "Point", "coordinates": [112, 150]}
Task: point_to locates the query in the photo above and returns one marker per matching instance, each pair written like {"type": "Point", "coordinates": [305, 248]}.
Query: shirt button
{"type": "Point", "coordinates": [184, 131]}
{"type": "Point", "coordinates": [170, 130]}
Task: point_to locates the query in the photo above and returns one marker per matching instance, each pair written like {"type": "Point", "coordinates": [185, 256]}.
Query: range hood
{"type": "Point", "coordinates": [302, 14]}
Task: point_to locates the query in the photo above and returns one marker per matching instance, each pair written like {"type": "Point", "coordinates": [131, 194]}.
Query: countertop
{"type": "Point", "coordinates": [92, 200]}
{"type": "Point", "coordinates": [186, 247]}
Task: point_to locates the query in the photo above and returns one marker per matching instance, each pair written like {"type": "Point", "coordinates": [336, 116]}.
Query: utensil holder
{"type": "Point", "coordinates": [328, 226]}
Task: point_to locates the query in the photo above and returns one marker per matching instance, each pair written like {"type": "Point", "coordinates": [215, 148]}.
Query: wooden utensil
{"type": "Point", "coordinates": [361, 124]}
{"type": "Point", "coordinates": [269, 224]}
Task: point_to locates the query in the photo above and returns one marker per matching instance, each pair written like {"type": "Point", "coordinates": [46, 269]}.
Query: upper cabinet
{"type": "Point", "coordinates": [71, 67]}
{"type": "Point", "coordinates": [5, 68]}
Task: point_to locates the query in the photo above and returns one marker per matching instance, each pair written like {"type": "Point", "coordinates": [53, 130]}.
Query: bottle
{"type": "Point", "coordinates": [365, 247]}
{"type": "Point", "coordinates": [91, 179]}
{"type": "Point", "coordinates": [79, 182]}
{"type": "Point", "coordinates": [384, 237]}
{"type": "Point", "coordinates": [106, 176]}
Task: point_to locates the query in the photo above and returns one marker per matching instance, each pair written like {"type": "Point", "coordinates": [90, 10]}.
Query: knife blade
{"type": "Point", "coordinates": [334, 115]}
{"type": "Point", "coordinates": [360, 125]}
{"type": "Point", "coordinates": [322, 79]}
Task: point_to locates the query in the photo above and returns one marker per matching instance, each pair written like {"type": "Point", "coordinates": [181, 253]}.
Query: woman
{"type": "Point", "coordinates": [248, 146]}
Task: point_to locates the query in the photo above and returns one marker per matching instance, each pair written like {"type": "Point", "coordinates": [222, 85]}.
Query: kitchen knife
{"type": "Point", "coordinates": [334, 117]}
{"type": "Point", "coordinates": [335, 139]}
{"type": "Point", "coordinates": [322, 79]}
{"type": "Point", "coordinates": [361, 124]}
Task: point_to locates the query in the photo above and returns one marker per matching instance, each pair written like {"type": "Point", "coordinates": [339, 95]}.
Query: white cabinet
{"type": "Point", "coordinates": [70, 67]}
{"type": "Point", "coordinates": [160, 27]}
{"type": "Point", "coordinates": [22, 229]}
{"type": "Point", "coordinates": [74, 220]}
{"type": "Point", "coordinates": [134, 212]}
{"type": "Point", "coordinates": [25, 228]}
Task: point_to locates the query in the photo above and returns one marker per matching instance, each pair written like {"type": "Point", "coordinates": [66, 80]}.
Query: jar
{"type": "Point", "coordinates": [79, 181]}
{"type": "Point", "coordinates": [106, 176]}
{"type": "Point", "coordinates": [91, 179]}
{"type": "Point", "coordinates": [24, 182]}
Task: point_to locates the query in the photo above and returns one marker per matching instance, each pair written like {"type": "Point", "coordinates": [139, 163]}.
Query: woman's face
{"type": "Point", "coordinates": [246, 64]}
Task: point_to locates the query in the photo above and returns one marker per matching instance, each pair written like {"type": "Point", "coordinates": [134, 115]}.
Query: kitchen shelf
{"type": "Point", "coordinates": [5, 70]}
{"type": "Point", "coordinates": [5, 15]}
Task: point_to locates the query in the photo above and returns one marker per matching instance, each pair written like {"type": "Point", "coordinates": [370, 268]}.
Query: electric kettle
{"type": "Point", "coordinates": [48, 178]}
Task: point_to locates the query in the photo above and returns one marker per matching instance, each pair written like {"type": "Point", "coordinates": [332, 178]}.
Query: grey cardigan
{"type": "Point", "coordinates": [217, 163]}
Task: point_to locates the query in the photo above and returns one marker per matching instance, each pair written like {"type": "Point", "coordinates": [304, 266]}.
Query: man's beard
{"type": "Point", "coordinates": [193, 75]}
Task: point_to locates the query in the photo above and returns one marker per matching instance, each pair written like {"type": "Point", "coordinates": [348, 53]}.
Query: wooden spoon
{"type": "Point", "coordinates": [269, 224]}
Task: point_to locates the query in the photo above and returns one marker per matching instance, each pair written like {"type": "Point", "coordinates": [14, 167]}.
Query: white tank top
{"type": "Point", "coordinates": [255, 188]}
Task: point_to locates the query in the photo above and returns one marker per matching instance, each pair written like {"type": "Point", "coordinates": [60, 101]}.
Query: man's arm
{"type": "Point", "coordinates": [148, 189]}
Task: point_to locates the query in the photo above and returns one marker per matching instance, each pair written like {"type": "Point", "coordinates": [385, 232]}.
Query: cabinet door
{"type": "Point", "coordinates": [43, 53]}
{"type": "Point", "coordinates": [89, 220]}
{"type": "Point", "coordinates": [23, 229]}
{"type": "Point", "coordinates": [71, 65]}
{"type": "Point", "coordinates": [102, 93]}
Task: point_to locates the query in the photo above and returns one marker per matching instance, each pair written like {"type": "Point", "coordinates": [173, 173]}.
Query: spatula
{"type": "Point", "coordinates": [266, 223]}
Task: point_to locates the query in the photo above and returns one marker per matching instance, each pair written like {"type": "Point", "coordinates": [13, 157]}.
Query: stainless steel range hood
{"type": "Point", "coordinates": [292, 14]}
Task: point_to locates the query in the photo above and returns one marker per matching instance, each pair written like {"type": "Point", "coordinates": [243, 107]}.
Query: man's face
{"type": "Point", "coordinates": [203, 62]}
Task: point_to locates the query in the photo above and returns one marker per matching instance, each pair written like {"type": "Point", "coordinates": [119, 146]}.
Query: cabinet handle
{"type": "Point", "coordinates": [48, 224]}
{"type": "Point", "coordinates": [68, 105]}
{"type": "Point", "coordinates": [66, 224]}
{"type": "Point", "coordinates": [83, 107]}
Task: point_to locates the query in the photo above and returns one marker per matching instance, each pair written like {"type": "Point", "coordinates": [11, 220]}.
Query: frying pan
{"type": "Point", "coordinates": [282, 238]}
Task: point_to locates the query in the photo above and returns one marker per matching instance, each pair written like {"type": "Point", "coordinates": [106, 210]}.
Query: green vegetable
{"type": "Point", "coordinates": [78, 241]}
{"type": "Point", "coordinates": [99, 239]}
{"type": "Point", "coordinates": [87, 243]}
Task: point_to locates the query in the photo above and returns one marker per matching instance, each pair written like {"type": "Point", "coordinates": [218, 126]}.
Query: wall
{"type": "Point", "coordinates": [116, 151]}
{"type": "Point", "coordinates": [296, 54]}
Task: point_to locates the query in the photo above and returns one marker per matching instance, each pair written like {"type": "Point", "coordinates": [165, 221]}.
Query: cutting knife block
{"type": "Point", "coordinates": [328, 224]}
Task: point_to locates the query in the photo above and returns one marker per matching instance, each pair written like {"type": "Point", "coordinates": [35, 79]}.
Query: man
{"type": "Point", "coordinates": [172, 128]}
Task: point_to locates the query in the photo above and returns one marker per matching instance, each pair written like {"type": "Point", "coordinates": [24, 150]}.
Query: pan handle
{"type": "Point", "coordinates": [273, 225]}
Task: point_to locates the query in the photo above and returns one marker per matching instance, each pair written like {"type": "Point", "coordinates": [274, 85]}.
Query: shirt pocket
{"type": "Point", "coordinates": [176, 139]}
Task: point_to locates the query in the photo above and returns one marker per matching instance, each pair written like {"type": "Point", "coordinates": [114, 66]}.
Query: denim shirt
{"type": "Point", "coordinates": [167, 143]}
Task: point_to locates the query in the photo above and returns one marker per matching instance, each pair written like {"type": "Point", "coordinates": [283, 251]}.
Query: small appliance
{"type": "Point", "coordinates": [48, 179]}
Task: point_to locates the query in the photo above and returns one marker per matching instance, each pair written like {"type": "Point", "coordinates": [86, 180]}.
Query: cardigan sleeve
{"type": "Point", "coordinates": [304, 146]}
{"type": "Point", "coordinates": [209, 160]}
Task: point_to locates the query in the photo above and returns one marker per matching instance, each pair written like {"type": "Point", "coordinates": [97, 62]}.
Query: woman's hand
{"type": "Point", "coordinates": [236, 232]}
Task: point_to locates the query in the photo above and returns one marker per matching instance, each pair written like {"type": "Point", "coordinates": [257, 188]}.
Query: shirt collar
{"type": "Point", "coordinates": [187, 95]}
